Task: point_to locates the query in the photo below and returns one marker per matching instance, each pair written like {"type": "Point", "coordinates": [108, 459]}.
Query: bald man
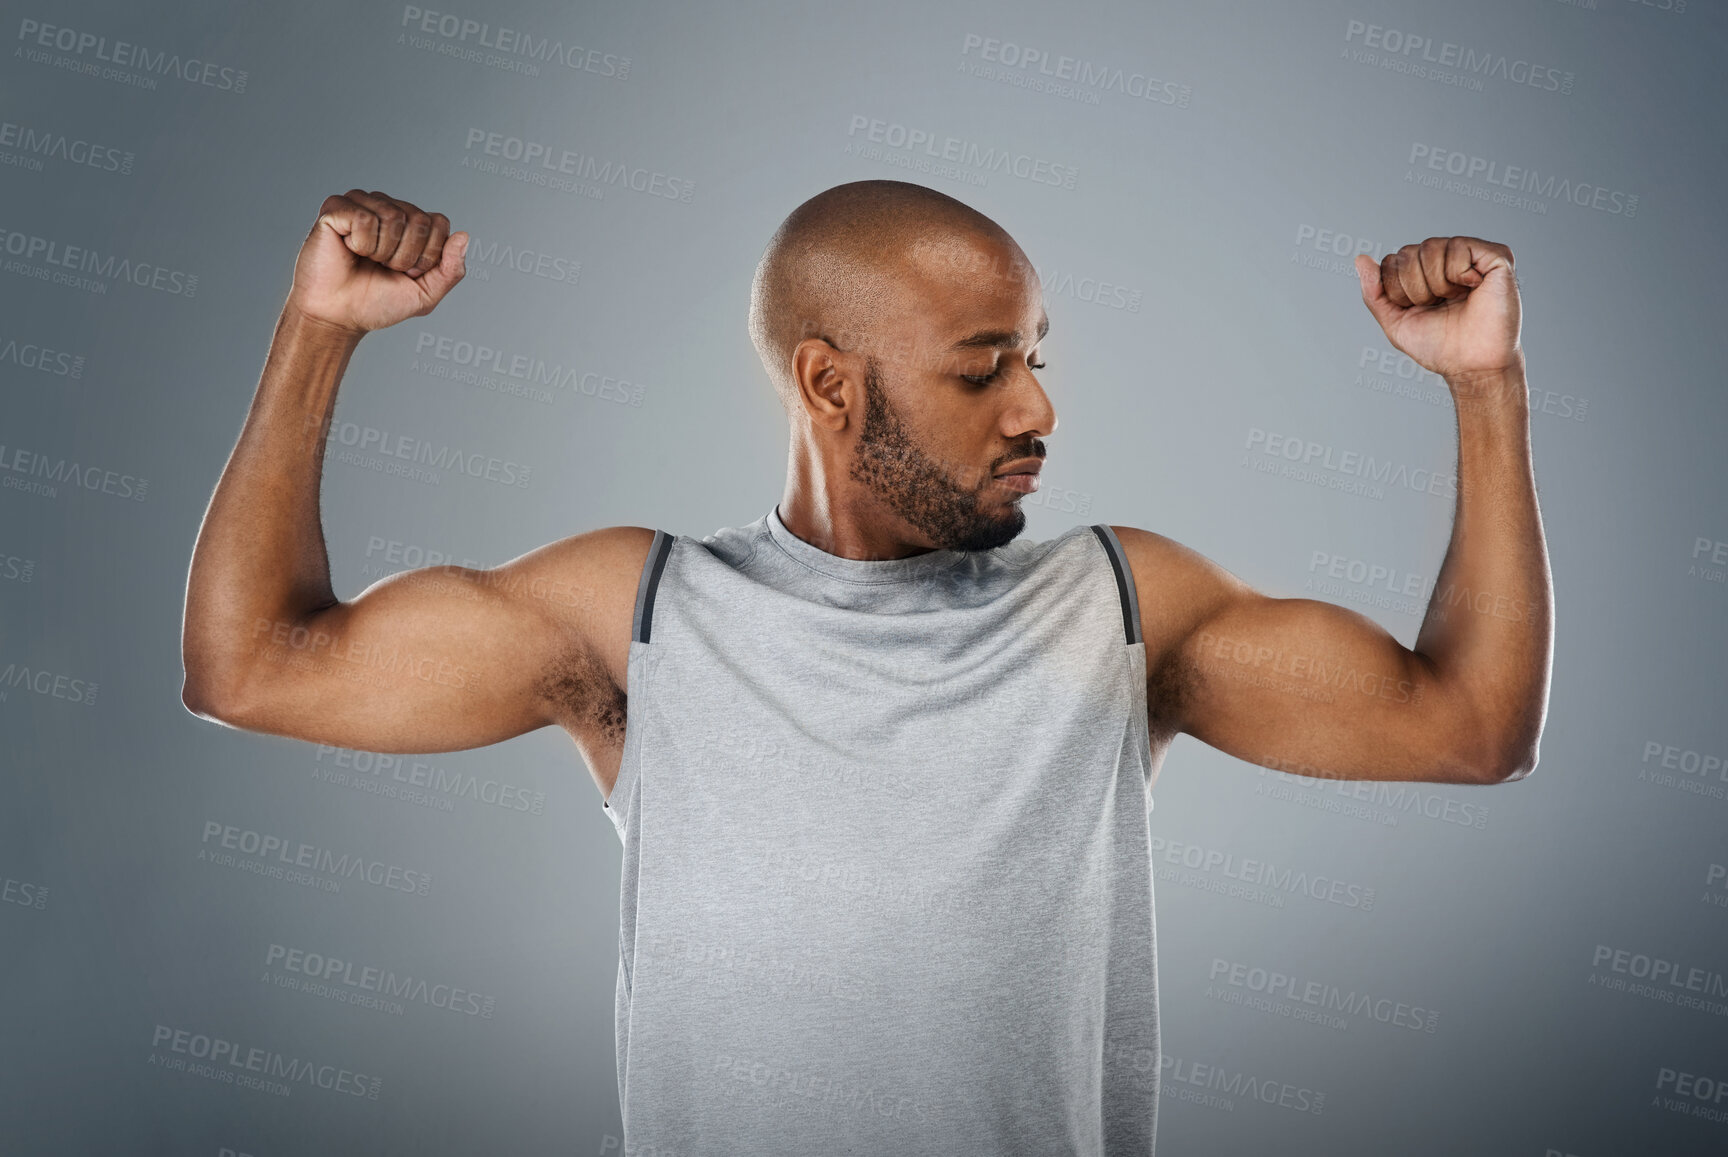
{"type": "Point", "coordinates": [882, 771]}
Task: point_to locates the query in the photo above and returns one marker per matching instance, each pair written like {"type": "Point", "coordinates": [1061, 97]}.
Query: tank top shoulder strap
{"type": "Point", "coordinates": [1124, 581]}
{"type": "Point", "coordinates": [652, 567]}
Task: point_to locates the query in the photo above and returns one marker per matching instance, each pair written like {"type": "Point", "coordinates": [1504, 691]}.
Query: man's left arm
{"type": "Point", "coordinates": [1313, 688]}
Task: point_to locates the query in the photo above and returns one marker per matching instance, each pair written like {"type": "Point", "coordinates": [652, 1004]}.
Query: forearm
{"type": "Point", "coordinates": [260, 553]}
{"type": "Point", "coordinates": [1488, 635]}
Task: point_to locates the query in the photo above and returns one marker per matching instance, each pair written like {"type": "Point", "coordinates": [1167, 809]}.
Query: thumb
{"type": "Point", "coordinates": [452, 265]}
{"type": "Point", "coordinates": [1373, 293]}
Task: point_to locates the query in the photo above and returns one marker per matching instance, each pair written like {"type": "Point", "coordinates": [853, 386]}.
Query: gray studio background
{"type": "Point", "coordinates": [1540, 970]}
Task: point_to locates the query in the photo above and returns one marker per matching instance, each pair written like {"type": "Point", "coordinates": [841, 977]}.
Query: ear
{"type": "Point", "coordinates": [822, 374]}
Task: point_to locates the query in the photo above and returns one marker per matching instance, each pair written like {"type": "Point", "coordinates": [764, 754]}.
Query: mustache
{"type": "Point", "coordinates": [1032, 449]}
{"type": "Point", "coordinates": [978, 477]}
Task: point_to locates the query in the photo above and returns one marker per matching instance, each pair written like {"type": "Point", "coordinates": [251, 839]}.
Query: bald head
{"type": "Point", "coordinates": [845, 261]}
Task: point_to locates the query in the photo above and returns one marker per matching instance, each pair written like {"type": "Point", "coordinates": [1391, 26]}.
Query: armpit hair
{"type": "Point", "coordinates": [582, 691]}
{"type": "Point", "coordinates": [1168, 687]}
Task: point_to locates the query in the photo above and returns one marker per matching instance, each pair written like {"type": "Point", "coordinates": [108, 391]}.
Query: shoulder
{"type": "Point", "coordinates": [1178, 588]}
{"type": "Point", "coordinates": [595, 566]}
{"type": "Point", "coordinates": [585, 586]}
{"type": "Point", "coordinates": [1179, 571]}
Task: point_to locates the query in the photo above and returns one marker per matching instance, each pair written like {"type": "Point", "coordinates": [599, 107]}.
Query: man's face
{"type": "Point", "coordinates": [959, 402]}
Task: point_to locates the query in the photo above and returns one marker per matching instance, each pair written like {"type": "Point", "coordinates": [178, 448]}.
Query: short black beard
{"type": "Point", "coordinates": [916, 488]}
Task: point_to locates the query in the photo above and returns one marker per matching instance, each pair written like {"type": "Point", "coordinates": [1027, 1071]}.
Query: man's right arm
{"type": "Point", "coordinates": [438, 659]}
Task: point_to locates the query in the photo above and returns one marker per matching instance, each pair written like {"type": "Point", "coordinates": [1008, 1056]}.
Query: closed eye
{"type": "Point", "coordinates": [986, 379]}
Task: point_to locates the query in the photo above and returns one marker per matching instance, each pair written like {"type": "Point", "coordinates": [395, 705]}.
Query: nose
{"type": "Point", "coordinates": [1031, 412]}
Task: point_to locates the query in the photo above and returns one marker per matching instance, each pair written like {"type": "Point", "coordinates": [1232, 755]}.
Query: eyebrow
{"type": "Point", "coordinates": [995, 338]}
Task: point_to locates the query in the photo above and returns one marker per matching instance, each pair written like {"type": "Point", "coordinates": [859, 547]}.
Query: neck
{"type": "Point", "coordinates": [838, 517]}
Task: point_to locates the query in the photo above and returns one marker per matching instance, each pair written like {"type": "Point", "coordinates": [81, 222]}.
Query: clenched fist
{"type": "Point", "coordinates": [372, 261]}
{"type": "Point", "coordinates": [1451, 303]}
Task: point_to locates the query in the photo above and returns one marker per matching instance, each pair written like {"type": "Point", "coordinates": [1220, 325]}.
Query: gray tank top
{"type": "Point", "coordinates": [887, 878]}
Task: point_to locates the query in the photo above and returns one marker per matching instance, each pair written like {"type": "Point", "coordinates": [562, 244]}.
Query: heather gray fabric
{"type": "Point", "coordinates": [887, 885]}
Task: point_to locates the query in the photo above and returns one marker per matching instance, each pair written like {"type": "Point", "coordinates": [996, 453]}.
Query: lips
{"type": "Point", "coordinates": [1022, 466]}
{"type": "Point", "coordinates": [1021, 476]}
